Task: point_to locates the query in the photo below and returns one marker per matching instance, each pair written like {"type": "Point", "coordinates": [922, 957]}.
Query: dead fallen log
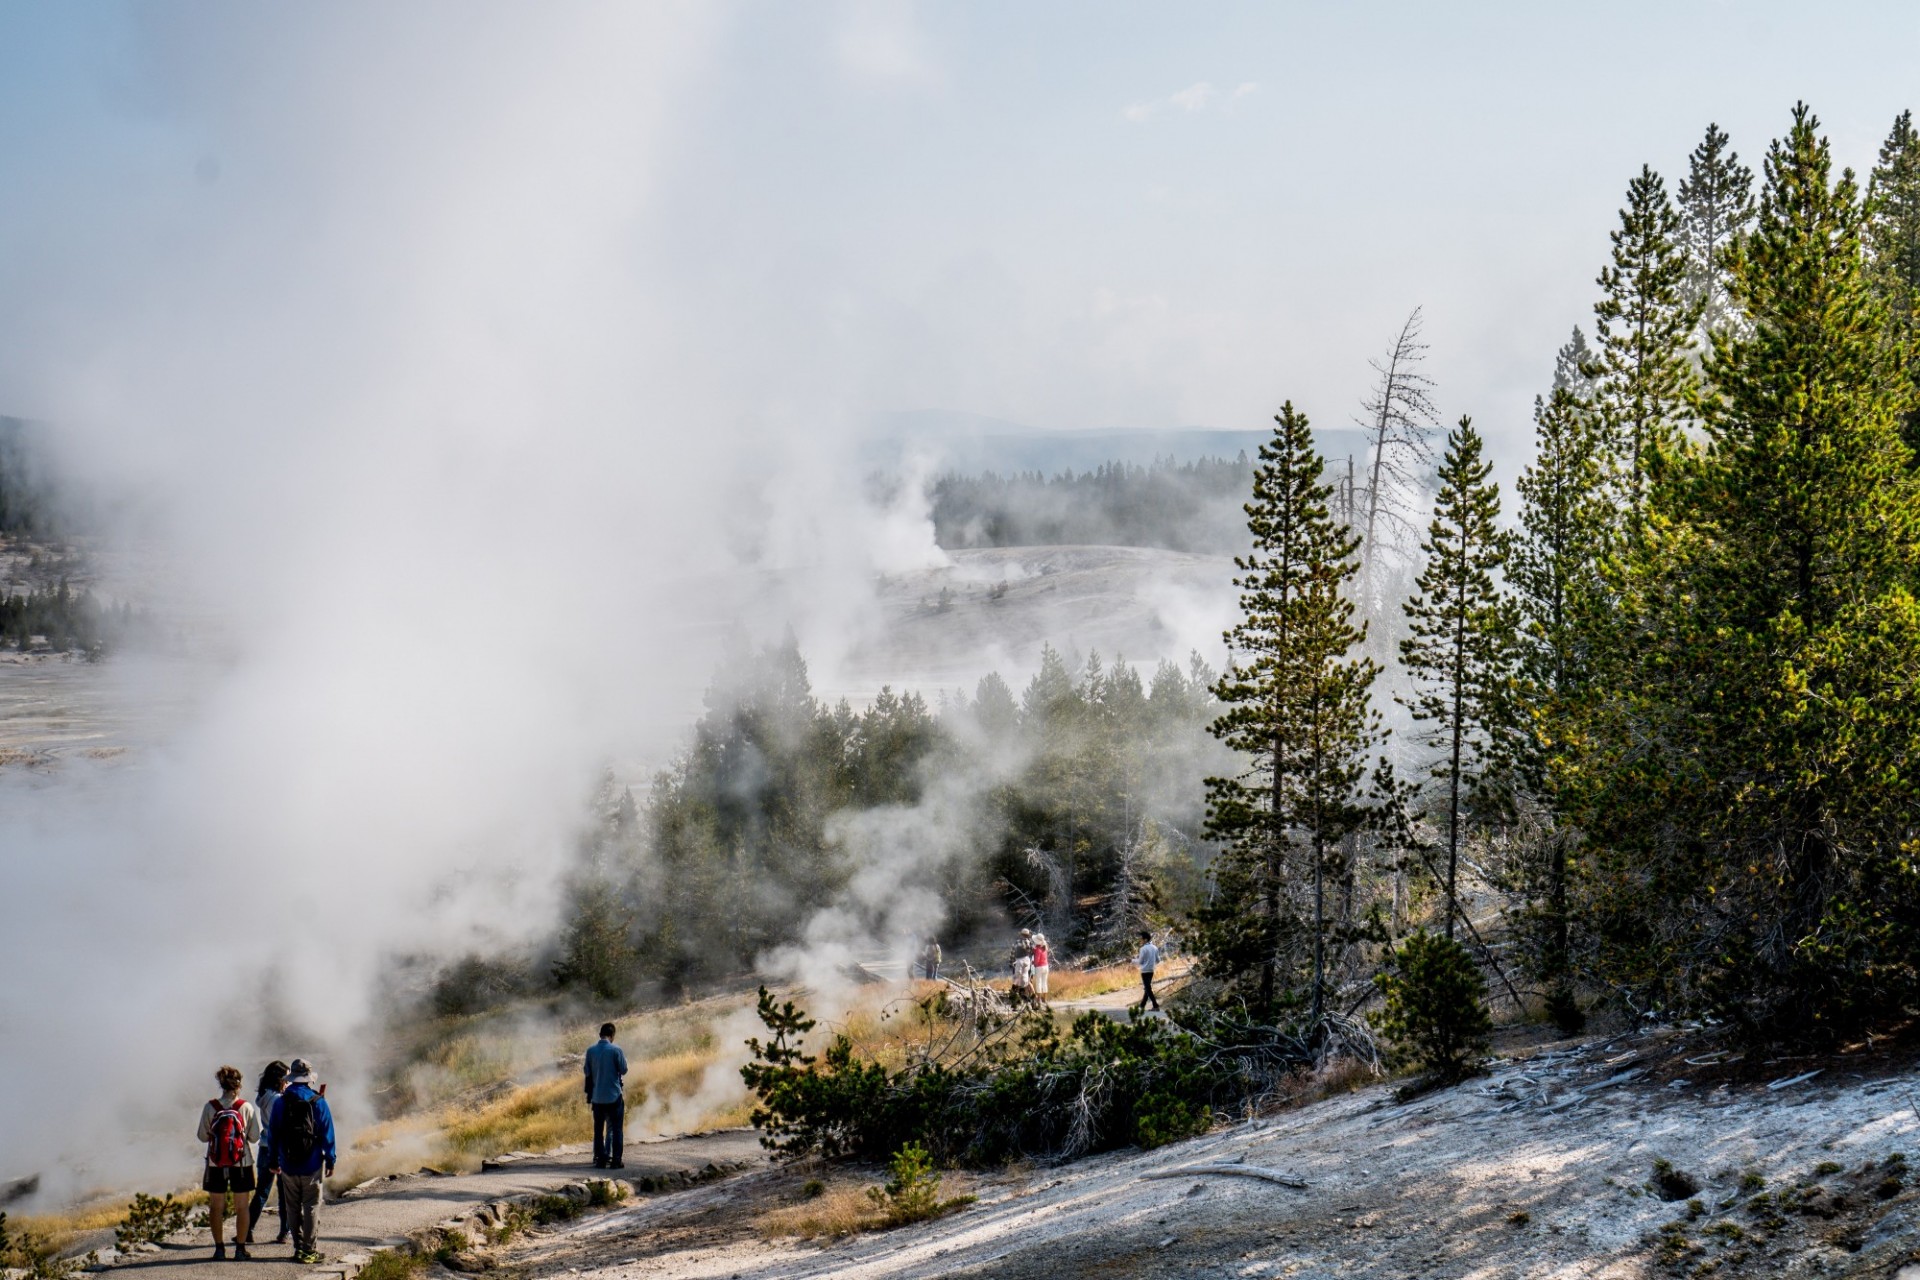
{"type": "Point", "coordinates": [1232, 1170]}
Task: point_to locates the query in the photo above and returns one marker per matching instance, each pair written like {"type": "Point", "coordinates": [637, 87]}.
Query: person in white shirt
{"type": "Point", "coordinates": [230, 1126]}
{"type": "Point", "coordinates": [1149, 961]}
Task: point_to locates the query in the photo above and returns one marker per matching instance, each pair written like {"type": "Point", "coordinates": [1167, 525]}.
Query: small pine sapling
{"type": "Point", "coordinates": [1436, 1010]}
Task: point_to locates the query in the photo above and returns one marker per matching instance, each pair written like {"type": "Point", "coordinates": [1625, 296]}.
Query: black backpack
{"type": "Point", "coordinates": [297, 1135]}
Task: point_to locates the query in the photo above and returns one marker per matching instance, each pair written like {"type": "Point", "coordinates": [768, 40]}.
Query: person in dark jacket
{"type": "Point", "coordinates": [604, 1065]}
{"type": "Point", "coordinates": [300, 1150]}
{"type": "Point", "coordinates": [272, 1080]}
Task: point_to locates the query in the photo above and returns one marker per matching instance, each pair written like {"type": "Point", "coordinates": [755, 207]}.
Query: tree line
{"type": "Point", "coordinates": [1673, 716]}
{"type": "Point", "coordinates": [1658, 732]}
{"type": "Point", "coordinates": [1190, 506]}
{"type": "Point", "coordinates": [1072, 806]}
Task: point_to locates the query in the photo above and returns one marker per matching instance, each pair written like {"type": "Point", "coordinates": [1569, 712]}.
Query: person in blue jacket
{"type": "Point", "coordinates": [604, 1065]}
{"type": "Point", "coordinates": [300, 1150]}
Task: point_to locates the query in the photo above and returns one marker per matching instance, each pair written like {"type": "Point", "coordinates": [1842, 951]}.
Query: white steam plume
{"type": "Point", "coordinates": [379, 330]}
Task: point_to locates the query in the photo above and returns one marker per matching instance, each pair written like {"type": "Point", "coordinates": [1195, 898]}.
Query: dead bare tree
{"type": "Point", "coordinates": [1400, 419]}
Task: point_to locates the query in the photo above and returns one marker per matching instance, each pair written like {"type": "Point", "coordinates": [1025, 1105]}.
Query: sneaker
{"type": "Point", "coordinates": [219, 1253]}
{"type": "Point", "coordinates": [282, 1238]}
{"type": "Point", "coordinates": [309, 1257]}
{"type": "Point", "coordinates": [240, 1253]}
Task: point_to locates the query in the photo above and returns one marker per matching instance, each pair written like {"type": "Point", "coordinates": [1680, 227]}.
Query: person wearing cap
{"type": "Point", "coordinates": [300, 1148]}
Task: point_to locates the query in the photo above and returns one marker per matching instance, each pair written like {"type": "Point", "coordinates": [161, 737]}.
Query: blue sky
{"type": "Point", "coordinates": [1071, 215]}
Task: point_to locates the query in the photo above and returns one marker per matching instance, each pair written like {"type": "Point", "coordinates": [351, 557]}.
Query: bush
{"type": "Point", "coordinates": [150, 1220]}
{"type": "Point", "coordinates": [393, 1264]}
{"type": "Point", "coordinates": [475, 984]}
{"type": "Point", "coordinates": [1436, 1009]}
{"type": "Point", "coordinates": [912, 1193]}
{"type": "Point", "coordinates": [546, 1210]}
{"type": "Point", "coordinates": [1024, 1088]}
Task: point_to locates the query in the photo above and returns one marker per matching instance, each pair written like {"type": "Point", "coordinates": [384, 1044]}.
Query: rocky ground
{"type": "Point", "coordinates": [1636, 1156]}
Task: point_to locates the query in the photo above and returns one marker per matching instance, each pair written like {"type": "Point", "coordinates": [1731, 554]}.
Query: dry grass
{"type": "Point", "coordinates": [1084, 984]}
{"type": "Point", "coordinates": [102, 1214]}
{"type": "Point", "coordinates": [841, 1210]}
{"type": "Point", "coordinates": [535, 1117]}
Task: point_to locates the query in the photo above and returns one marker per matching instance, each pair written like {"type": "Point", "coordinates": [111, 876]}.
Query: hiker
{"type": "Point", "coordinates": [1021, 990]}
{"type": "Point", "coordinates": [930, 960]}
{"type": "Point", "coordinates": [604, 1065]}
{"type": "Point", "coordinates": [1149, 961]}
{"type": "Point", "coordinates": [229, 1125]}
{"type": "Point", "coordinates": [1023, 945]}
{"type": "Point", "coordinates": [301, 1152]}
{"type": "Point", "coordinates": [1042, 956]}
{"type": "Point", "coordinates": [273, 1078]}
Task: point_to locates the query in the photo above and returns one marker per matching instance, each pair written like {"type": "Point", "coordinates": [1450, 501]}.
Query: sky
{"type": "Point", "coordinates": [1072, 215]}
{"type": "Point", "coordinates": [484, 369]}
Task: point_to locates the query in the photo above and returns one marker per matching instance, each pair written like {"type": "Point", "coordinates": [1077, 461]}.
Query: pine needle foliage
{"type": "Point", "coordinates": [1297, 709]}
{"type": "Point", "coordinates": [1436, 1007]}
{"type": "Point", "coordinates": [1462, 649]}
{"type": "Point", "coordinates": [1642, 370]}
{"type": "Point", "coordinates": [1750, 792]}
{"type": "Point", "coordinates": [1893, 236]}
{"type": "Point", "coordinates": [1716, 208]}
{"type": "Point", "coordinates": [1561, 592]}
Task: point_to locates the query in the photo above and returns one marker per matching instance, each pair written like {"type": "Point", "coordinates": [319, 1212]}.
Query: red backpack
{"type": "Point", "coordinates": [227, 1147]}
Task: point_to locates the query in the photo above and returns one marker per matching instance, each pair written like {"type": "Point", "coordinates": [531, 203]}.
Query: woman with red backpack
{"type": "Point", "coordinates": [230, 1126]}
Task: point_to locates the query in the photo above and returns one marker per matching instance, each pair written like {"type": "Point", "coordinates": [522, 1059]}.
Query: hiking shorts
{"type": "Point", "coordinates": [232, 1178]}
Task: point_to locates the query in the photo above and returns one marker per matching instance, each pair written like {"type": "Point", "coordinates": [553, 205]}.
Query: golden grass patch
{"type": "Point", "coordinates": [841, 1210]}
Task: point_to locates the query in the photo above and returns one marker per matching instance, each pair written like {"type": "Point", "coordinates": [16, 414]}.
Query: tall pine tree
{"type": "Point", "coordinates": [1462, 648]}
{"type": "Point", "coordinates": [1893, 236]}
{"type": "Point", "coordinates": [1558, 584]}
{"type": "Point", "coordinates": [1716, 208]}
{"type": "Point", "coordinates": [1643, 371]}
{"type": "Point", "coordinates": [1297, 709]}
{"type": "Point", "coordinates": [1752, 792]}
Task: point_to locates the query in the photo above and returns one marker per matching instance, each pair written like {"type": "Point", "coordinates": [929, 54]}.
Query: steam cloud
{"type": "Point", "coordinates": [379, 329]}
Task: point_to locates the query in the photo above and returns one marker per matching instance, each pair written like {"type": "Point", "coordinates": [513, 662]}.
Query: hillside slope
{"type": "Point", "coordinates": [1545, 1168]}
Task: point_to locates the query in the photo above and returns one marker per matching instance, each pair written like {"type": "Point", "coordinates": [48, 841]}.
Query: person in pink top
{"type": "Point", "coordinates": [1042, 964]}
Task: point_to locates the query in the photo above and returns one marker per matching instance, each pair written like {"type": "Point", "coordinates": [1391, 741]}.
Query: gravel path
{"type": "Point", "coordinates": [386, 1211]}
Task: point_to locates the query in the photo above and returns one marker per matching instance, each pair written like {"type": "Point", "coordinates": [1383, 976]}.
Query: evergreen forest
{"type": "Point", "coordinates": [1641, 738]}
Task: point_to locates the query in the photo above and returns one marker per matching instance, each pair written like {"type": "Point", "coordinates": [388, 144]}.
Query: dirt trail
{"type": "Point", "coordinates": [1543, 1169]}
{"type": "Point", "coordinates": [385, 1211]}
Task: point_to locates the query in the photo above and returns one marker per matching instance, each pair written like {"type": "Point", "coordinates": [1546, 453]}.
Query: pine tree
{"type": "Point", "coordinates": [1894, 239]}
{"type": "Point", "coordinates": [1753, 790]}
{"type": "Point", "coordinates": [1462, 646]}
{"type": "Point", "coordinates": [1297, 708]}
{"type": "Point", "coordinates": [1570, 365]}
{"type": "Point", "coordinates": [1643, 372]}
{"type": "Point", "coordinates": [1716, 208]}
{"type": "Point", "coordinates": [1556, 576]}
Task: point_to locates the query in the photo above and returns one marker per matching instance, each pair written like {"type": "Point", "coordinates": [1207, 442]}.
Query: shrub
{"type": "Point", "coordinates": [393, 1264]}
{"type": "Point", "coordinates": [475, 984]}
{"type": "Point", "coordinates": [453, 1243]}
{"type": "Point", "coordinates": [1436, 1009]}
{"type": "Point", "coordinates": [602, 1192]}
{"type": "Point", "coordinates": [151, 1219]}
{"type": "Point", "coordinates": [1564, 1012]}
{"type": "Point", "coordinates": [511, 1224]}
{"type": "Point", "coordinates": [1025, 1088]}
{"type": "Point", "coordinates": [912, 1193]}
{"type": "Point", "coordinates": [547, 1210]}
